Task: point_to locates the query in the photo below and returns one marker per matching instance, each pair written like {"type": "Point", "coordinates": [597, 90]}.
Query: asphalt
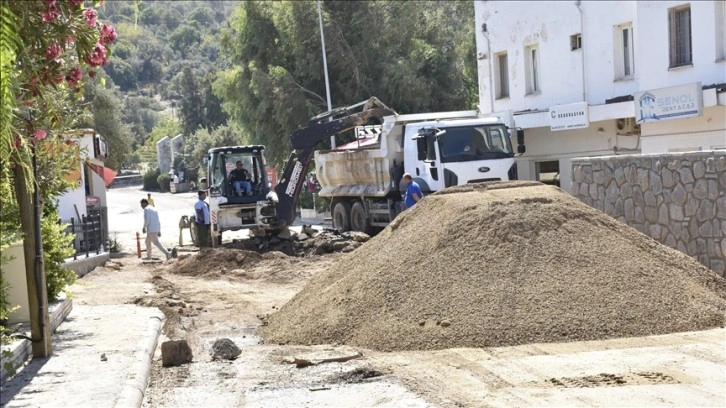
{"type": "Point", "coordinates": [101, 357]}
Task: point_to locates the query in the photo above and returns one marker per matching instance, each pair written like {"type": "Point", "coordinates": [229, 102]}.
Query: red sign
{"type": "Point", "coordinates": [92, 200]}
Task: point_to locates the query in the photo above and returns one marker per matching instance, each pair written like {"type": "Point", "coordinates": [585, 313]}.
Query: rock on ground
{"type": "Point", "coordinates": [175, 352]}
{"type": "Point", "coordinates": [225, 349]}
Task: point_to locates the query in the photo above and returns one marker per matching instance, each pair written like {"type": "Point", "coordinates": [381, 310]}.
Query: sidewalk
{"type": "Point", "coordinates": [101, 358]}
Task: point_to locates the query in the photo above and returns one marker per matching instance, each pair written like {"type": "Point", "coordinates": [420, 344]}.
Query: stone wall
{"type": "Point", "coordinates": [677, 199]}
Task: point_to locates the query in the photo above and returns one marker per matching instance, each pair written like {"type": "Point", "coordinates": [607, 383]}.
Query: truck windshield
{"type": "Point", "coordinates": [468, 143]}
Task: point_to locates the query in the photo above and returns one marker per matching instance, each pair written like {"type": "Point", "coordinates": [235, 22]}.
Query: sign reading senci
{"type": "Point", "coordinates": [675, 102]}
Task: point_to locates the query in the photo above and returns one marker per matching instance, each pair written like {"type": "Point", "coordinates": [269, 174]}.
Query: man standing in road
{"type": "Point", "coordinates": [240, 177]}
{"type": "Point", "coordinates": [152, 228]}
{"type": "Point", "coordinates": [413, 191]}
{"type": "Point", "coordinates": [201, 219]}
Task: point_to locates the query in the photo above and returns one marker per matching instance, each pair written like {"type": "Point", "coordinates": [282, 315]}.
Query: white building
{"type": "Point", "coordinates": [90, 176]}
{"type": "Point", "coordinates": [597, 78]}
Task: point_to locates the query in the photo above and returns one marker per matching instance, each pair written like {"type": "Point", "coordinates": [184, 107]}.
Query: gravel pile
{"type": "Point", "coordinates": [501, 264]}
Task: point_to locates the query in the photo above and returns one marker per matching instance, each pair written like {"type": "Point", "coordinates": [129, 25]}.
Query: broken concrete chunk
{"type": "Point", "coordinates": [225, 349]}
{"type": "Point", "coordinates": [175, 352]}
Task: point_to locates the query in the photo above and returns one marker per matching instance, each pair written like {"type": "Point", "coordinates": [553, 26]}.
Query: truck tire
{"type": "Point", "coordinates": [341, 216]}
{"type": "Point", "coordinates": [358, 220]}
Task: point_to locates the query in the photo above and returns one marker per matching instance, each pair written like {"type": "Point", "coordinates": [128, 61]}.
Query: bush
{"type": "Point", "coordinates": [307, 200]}
{"type": "Point", "coordinates": [150, 180]}
{"type": "Point", "coordinates": [164, 182]}
{"type": "Point", "coordinates": [56, 249]}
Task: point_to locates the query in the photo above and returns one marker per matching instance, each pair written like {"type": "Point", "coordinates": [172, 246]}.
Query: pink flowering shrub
{"type": "Point", "coordinates": [56, 39]}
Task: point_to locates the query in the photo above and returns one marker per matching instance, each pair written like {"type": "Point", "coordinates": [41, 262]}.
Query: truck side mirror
{"type": "Point", "coordinates": [421, 147]}
{"type": "Point", "coordinates": [430, 148]}
{"type": "Point", "coordinates": [520, 141]}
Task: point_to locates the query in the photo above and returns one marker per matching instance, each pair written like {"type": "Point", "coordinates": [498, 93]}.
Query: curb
{"type": "Point", "coordinates": [132, 392]}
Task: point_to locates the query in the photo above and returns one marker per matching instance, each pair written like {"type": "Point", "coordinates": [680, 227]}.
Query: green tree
{"type": "Point", "coordinates": [414, 56]}
{"type": "Point", "coordinates": [191, 112]}
{"type": "Point", "coordinates": [184, 38]}
{"type": "Point", "coordinates": [106, 110]}
{"type": "Point", "coordinates": [202, 140]}
{"type": "Point", "coordinates": [45, 46]}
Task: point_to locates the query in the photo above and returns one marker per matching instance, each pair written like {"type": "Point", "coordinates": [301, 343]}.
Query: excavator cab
{"type": "Point", "coordinates": [224, 163]}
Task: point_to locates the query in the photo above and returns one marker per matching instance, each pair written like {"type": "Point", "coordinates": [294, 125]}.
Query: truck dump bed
{"type": "Point", "coordinates": [351, 170]}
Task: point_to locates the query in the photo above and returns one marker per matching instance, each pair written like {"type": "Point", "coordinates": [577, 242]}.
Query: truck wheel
{"type": "Point", "coordinates": [358, 220]}
{"type": "Point", "coordinates": [341, 216]}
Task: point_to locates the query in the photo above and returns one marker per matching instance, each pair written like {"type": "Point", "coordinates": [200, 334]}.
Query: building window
{"type": "Point", "coordinates": [624, 51]}
{"type": "Point", "coordinates": [720, 13]}
{"type": "Point", "coordinates": [575, 42]}
{"type": "Point", "coordinates": [679, 24]}
{"type": "Point", "coordinates": [502, 75]}
{"type": "Point", "coordinates": [532, 61]}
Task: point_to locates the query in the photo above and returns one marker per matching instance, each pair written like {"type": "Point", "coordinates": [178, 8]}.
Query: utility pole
{"type": "Point", "coordinates": [325, 69]}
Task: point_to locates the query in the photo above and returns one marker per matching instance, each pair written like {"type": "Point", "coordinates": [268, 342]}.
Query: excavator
{"type": "Point", "coordinates": [266, 209]}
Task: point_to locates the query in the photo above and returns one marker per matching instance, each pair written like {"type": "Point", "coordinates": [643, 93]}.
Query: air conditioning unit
{"type": "Point", "coordinates": [627, 126]}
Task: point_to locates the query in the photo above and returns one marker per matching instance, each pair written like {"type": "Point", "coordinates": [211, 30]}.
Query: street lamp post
{"type": "Point", "coordinates": [325, 68]}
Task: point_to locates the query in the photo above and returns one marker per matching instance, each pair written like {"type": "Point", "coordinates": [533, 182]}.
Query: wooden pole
{"type": "Point", "coordinates": [138, 244]}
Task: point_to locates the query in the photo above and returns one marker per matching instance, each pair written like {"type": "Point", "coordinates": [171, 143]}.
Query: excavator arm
{"type": "Point", "coordinates": [280, 211]}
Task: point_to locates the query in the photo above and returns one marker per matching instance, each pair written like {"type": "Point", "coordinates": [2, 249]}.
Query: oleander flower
{"type": "Point", "coordinates": [74, 75]}
{"type": "Point", "coordinates": [108, 34]}
{"type": "Point", "coordinates": [91, 16]}
{"type": "Point", "coordinates": [98, 56]}
{"type": "Point", "coordinates": [53, 51]}
{"type": "Point", "coordinates": [40, 134]}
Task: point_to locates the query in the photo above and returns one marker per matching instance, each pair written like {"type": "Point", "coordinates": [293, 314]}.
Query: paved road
{"type": "Point", "coordinates": [125, 216]}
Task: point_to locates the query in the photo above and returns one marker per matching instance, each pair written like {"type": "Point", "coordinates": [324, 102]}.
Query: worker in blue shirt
{"type": "Point", "coordinates": [201, 219]}
{"type": "Point", "coordinates": [413, 191]}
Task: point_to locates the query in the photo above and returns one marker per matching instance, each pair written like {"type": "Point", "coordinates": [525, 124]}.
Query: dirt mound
{"type": "Point", "coordinates": [270, 258]}
{"type": "Point", "coordinates": [496, 265]}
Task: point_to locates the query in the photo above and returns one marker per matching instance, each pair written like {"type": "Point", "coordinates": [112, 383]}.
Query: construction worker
{"type": "Point", "coordinates": [201, 219]}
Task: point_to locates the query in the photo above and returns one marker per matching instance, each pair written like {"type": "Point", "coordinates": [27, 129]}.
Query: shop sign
{"type": "Point", "coordinates": [92, 200]}
{"type": "Point", "coordinates": [567, 117]}
{"type": "Point", "coordinates": [675, 102]}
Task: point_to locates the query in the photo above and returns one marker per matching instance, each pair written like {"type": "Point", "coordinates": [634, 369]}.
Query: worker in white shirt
{"type": "Point", "coordinates": [152, 228]}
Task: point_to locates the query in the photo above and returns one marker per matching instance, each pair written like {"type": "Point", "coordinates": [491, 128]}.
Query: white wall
{"type": "Point", "coordinates": [652, 46]}
{"type": "Point", "coordinates": [702, 133]}
{"type": "Point", "coordinates": [600, 19]}
{"type": "Point", "coordinates": [511, 25]}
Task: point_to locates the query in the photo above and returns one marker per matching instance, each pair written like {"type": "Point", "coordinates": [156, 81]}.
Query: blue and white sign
{"type": "Point", "coordinates": [567, 117]}
{"type": "Point", "coordinates": [675, 102]}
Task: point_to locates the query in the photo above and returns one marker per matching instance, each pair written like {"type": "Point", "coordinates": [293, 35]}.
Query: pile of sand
{"type": "Point", "coordinates": [496, 265]}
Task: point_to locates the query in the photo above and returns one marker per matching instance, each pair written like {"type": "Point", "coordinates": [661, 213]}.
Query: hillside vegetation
{"type": "Point", "coordinates": [252, 72]}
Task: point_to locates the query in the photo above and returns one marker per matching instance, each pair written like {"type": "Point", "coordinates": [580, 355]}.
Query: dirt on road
{"type": "Point", "coordinates": [231, 292]}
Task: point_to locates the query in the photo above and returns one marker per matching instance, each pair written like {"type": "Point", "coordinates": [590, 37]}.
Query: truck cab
{"type": "Point", "coordinates": [444, 153]}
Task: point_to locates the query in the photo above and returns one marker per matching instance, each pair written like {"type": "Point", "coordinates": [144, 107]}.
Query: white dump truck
{"type": "Point", "coordinates": [363, 178]}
